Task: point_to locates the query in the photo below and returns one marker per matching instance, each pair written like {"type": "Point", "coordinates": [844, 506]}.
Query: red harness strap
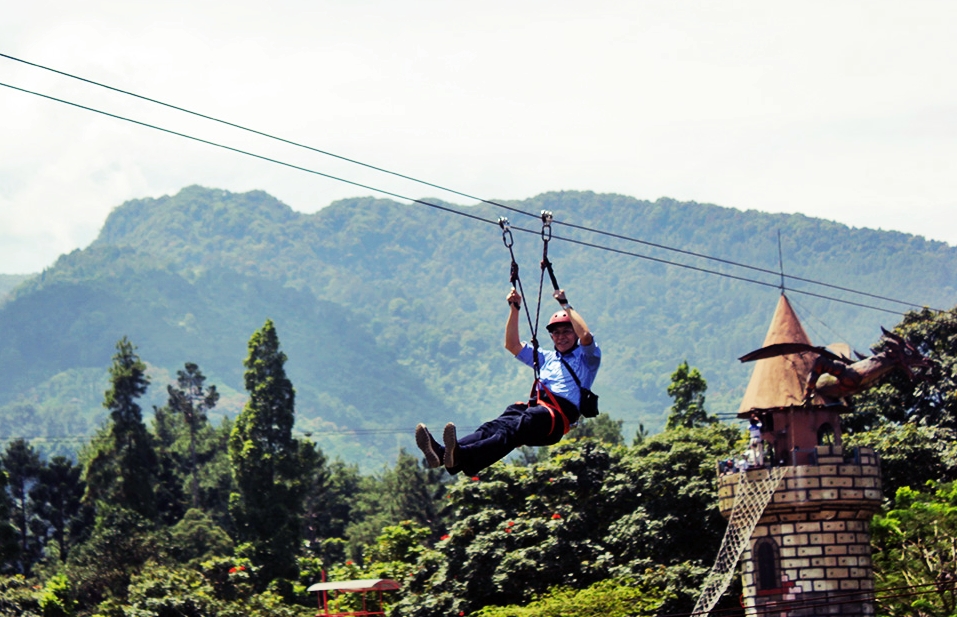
{"type": "Point", "coordinates": [551, 404]}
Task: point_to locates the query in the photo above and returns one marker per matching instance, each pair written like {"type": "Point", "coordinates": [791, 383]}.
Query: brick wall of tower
{"type": "Point", "coordinates": [818, 530]}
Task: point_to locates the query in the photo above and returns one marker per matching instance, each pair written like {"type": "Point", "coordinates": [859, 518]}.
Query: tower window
{"type": "Point", "coordinates": [767, 565]}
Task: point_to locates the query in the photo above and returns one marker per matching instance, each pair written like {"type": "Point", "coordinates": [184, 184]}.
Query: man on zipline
{"type": "Point", "coordinates": [552, 408]}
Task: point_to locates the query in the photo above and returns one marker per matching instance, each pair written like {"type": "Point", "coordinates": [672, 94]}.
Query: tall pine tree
{"type": "Point", "coordinates": [22, 464]}
{"type": "Point", "coordinates": [191, 399]}
{"type": "Point", "coordinates": [267, 506]}
{"type": "Point", "coordinates": [57, 499]}
{"type": "Point", "coordinates": [9, 547]}
{"type": "Point", "coordinates": [121, 464]}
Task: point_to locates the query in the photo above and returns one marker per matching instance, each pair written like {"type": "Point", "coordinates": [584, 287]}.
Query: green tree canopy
{"type": "Point", "coordinates": [602, 427]}
{"type": "Point", "coordinates": [586, 512]}
{"type": "Point", "coordinates": [914, 550]}
{"type": "Point", "coordinates": [57, 499]}
{"type": "Point", "coordinates": [608, 598]}
{"type": "Point", "coordinates": [930, 401]}
{"type": "Point", "coordinates": [121, 542]}
{"type": "Point", "coordinates": [913, 423]}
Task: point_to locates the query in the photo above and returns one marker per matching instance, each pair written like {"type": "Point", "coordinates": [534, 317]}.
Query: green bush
{"type": "Point", "coordinates": [19, 597]}
{"type": "Point", "coordinates": [56, 598]}
{"type": "Point", "coordinates": [607, 598]}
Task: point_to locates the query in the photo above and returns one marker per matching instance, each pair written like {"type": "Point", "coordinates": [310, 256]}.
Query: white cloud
{"type": "Point", "coordinates": [840, 110]}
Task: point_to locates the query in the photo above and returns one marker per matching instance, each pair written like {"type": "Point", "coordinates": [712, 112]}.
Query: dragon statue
{"type": "Point", "coordinates": [834, 376]}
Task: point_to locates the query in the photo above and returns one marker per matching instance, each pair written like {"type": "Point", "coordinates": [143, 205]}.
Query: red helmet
{"type": "Point", "coordinates": [558, 318]}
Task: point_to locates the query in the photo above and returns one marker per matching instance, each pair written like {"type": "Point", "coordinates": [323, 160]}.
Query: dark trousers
{"type": "Point", "coordinates": [520, 425]}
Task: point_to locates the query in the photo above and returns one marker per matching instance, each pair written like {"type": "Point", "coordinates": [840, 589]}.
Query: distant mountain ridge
{"type": "Point", "coordinates": [392, 313]}
{"type": "Point", "coordinates": [9, 281]}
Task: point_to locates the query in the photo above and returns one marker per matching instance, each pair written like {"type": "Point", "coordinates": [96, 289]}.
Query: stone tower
{"type": "Point", "coordinates": [809, 551]}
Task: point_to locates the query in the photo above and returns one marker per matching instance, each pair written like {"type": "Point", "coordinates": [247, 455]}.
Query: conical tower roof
{"type": "Point", "coordinates": [779, 381]}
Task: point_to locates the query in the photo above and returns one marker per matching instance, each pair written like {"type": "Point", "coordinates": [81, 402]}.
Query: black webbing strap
{"type": "Point", "coordinates": [572, 371]}
{"type": "Point", "coordinates": [546, 236]}
{"type": "Point", "coordinates": [546, 265]}
{"type": "Point", "coordinates": [508, 240]}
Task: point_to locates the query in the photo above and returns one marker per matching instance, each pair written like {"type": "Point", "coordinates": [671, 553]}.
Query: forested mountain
{"type": "Point", "coordinates": [392, 314]}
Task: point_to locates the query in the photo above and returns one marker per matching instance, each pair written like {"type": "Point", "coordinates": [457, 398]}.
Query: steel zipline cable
{"type": "Point", "coordinates": [264, 134]}
{"type": "Point", "coordinates": [248, 153]}
{"type": "Point", "coordinates": [458, 212]}
{"type": "Point", "coordinates": [457, 192]}
{"type": "Point", "coordinates": [724, 274]}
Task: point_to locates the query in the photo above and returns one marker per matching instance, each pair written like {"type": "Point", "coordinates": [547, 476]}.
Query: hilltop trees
{"type": "Point", "coordinates": [602, 427]}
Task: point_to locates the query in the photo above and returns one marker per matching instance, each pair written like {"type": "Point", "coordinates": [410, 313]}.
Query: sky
{"type": "Point", "coordinates": [840, 110]}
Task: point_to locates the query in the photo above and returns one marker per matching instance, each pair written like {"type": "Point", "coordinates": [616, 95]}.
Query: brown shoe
{"type": "Point", "coordinates": [451, 447]}
{"type": "Point", "coordinates": [424, 440]}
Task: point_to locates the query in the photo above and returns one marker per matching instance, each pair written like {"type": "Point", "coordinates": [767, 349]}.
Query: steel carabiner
{"type": "Point", "coordinates": [507, 239]}
{"type": "Point", "coordinates": [546, 225]}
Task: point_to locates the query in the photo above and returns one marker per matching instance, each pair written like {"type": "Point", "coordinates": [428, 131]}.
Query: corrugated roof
{"type": "Point", "coordinates": [779, 381]}
{"type": "Point", "coordinates": [366, 584]}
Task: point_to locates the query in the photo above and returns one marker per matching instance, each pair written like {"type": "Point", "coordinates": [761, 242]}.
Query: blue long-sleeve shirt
{"type": "Point", "coordinates": [584, 360]}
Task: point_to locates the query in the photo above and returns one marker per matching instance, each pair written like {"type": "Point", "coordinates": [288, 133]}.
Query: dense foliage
{"type": "Point", "coordinates": [392, 313]}
{"type": "Point", "coordinates": [915, 551]}
{"type": "Point", "coordinates": [913, 424]}
{"type": "Point", "coordinates": [592, 526]}
{"type": "Point", "coordinates": [124, 534]}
